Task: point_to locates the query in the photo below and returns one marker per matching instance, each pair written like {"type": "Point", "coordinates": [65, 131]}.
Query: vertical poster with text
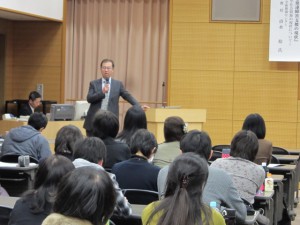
{"type": "Point", "coordinates": [284, 45]}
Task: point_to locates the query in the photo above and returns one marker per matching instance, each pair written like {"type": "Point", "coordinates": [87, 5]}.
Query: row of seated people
{"type": "Point", "coordinates": [137, 172]}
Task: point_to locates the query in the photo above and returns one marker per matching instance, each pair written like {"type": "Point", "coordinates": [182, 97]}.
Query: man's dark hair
{"type": "Point", "coordinates": [144, 141]}
{"type": "Point", "coordinates": [34, 95]}
{"type": "Point", "coordinates": [108, 60]}
{"type": "Point", "coordinates": [244, 145]}
{"type": "Point", "coordinates": [38, 120]}
{"type": "Point", "coordinates": [105, 124]}
{"type": "Point", "coordinates": [91, 149]}
{"type": "Point", "coordinates": [198, 142]}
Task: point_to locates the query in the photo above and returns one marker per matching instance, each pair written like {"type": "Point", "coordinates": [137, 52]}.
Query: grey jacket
{"type": "Point", "coordinates": [123, 208]}
{"type": "Point", "coordinates": [26, 140]}
{"type": "Point", "coordinates": [218, 188]}
{"type": "Point", "coordinates": [95, 97]}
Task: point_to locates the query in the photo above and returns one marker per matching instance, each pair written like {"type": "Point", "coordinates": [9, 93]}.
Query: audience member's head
{"type": "Point", "coordinates": [174, 128]}
{"type": "Point", "coordinates": [91, 149]}
{"type": "Point", "coordinates": [38, 121]}
{"type": "Point", "coordinates": [135, 119]}
{"type": "Point", "coordinates": [105, 124]}
{"type": "Point", "coordinates": [86, 193]}
{"type": "Point", "coordinates": [198, 142]}
{"type": "Point", "coordinates": [49, 174]}
{"type": "Point", "coordinates": [34, 99]}
{"type": "Point", "coordinates": [65, 140]}
{"type": "Point", "coordinates": [143, 142]}
{"type": "Point", "coordinates": [244, 145]}
{"type": "Point", "coordinates": [256, 124]}
{"type": "Point", "coordinates": [183, 199]}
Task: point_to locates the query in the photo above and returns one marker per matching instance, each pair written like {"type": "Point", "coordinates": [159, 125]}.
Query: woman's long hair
{"type": "Point", "coordinates": [135, 119]}
{"type": "Point", "coordinates": [65, 140]}
{"type": "Point", "coordinates": [183, 199]}
{"type": "Point", "coordinates": [86, 193]}
{"type": "Point", "coordinates": [47, 178]}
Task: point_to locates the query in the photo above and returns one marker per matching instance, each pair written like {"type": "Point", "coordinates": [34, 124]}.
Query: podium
{"type": "Point", "coordinates": [156, 118]}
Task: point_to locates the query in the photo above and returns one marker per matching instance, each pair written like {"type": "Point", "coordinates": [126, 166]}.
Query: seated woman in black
{"type": "Point", "coordinates": [135, 119]}
{"type": "Point", "coordinates": [36, 204]}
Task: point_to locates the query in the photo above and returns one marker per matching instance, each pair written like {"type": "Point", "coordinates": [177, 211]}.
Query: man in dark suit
{"type": "Point", "coordinates": [104, 94]}
{"type": "Point", "coordinates": [34, 100]}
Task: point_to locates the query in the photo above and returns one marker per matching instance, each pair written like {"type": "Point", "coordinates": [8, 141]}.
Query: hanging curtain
{"type": "Point", "coordinates": [134, 33]}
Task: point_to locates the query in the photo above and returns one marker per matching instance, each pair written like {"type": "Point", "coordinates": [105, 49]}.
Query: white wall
{"type": "Point", "coordinates": [45, 8]}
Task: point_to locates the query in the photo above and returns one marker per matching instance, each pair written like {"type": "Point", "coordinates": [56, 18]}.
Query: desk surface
{"type": "Point", "coordinates": [8, 201]}
{"type": "Point", "coordinates": [277, 177]}
{"type": "Point", "coordinates": [287, 157]}
{"type": "Point", "coordinates": [15, 166]}
{"type": "Point", "coordinates": [137, 209]}
{"type": "Point", "coordinates": [281, 167]}
{"type": "Point", "coordinates": [264, 195]}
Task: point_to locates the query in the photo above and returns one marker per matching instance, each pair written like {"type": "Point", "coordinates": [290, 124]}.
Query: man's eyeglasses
{"type": "Point", "coordinates": [106, 67]}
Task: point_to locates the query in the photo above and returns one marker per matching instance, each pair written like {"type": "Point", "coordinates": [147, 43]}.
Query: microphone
{"type": "Point", "coordinates": [163, 95]}
{"type": "Point", "coordinates": [107, 80]}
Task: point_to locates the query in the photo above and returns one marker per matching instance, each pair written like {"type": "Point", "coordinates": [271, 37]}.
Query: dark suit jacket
{"type": "Point", "coordinates": [95, 97]}
{"type": "Point", "coordinates": [25, 110]}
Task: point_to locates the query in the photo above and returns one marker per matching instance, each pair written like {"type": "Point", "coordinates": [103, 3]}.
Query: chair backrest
{"type": "Point", "coordinates": [4, 214]}
{"type": "Point", "coordinates": [129, 220]}
{"type": "Point", "coordinates": [280, 151]}
{"type": "Point", "coordinates": [140, 197]}
{"type": "Point", "coordinates": [215, 155]}
{"type": "Point", "coordinates": [14, 182]}
{"type": "Point", "coordinates": [18, 180]}
{"type": "Point", "coordinates": [13, 158]}
{"type": "Point", "coordinates": [274, 160]}
{"type": "Point", "coordinates": [219, 148]}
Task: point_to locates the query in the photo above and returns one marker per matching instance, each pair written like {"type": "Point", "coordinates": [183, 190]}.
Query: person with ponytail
{"type": "Point", "coordinates": [183, 197]}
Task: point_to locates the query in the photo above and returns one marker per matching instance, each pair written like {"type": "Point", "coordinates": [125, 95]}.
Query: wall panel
{"type": "Point", "coordinates": [191, 11]}
{"type": "Point", "coordinates": [224, 68]}
{"type": "Point", "coordinates": [37, 58]}
{"type": "Point", "coordinates": [220, 131]}
{"type": "Point", "coordinates": [211, 90]}
{"type": "Point", "coordinates": [273, 95]}
{"type": "Point", "coordinates": [198, 46]}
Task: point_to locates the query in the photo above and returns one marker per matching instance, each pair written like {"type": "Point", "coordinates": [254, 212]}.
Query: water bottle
{"type": "Point", "coordinates": [213, 205]}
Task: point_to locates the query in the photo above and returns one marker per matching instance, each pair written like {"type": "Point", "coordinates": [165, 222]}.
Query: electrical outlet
{"type": "Point", "coordinates": [40, 89]}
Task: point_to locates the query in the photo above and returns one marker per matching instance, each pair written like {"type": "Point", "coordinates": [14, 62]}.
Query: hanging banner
{"type": "Point", "coordinates": [284, 31]}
